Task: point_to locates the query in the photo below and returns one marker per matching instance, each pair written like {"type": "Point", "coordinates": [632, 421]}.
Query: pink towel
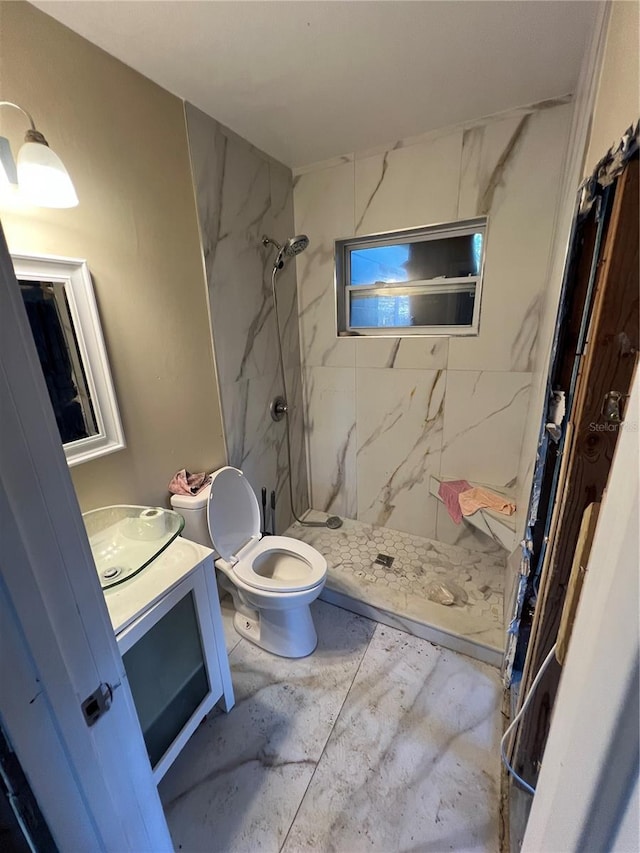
{"type": "Point", "coordinates": [481, 498]}
{"type": "Point", "coordinates": [449, 493]}
{"type": "Point", "coordinates": [184, 483]}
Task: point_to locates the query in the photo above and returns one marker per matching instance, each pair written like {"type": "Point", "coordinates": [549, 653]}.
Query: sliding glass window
{"type": "Point", "coordinates": [424, 281]}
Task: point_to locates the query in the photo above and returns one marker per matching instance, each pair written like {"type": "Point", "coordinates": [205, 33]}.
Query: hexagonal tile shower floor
{"type": "Point", "coordinates": [407, 593]}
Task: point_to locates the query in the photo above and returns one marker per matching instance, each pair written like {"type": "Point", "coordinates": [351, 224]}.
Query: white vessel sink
{"type": "Point", "coordinates": [125, 539]}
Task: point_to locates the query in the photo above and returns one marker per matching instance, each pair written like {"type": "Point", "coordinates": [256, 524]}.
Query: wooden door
{"type": "Point", "coordinates": [607, 365]}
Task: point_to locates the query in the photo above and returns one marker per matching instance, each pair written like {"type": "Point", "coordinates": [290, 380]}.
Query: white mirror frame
{"type": "Point", "coordinates": [74, 274]}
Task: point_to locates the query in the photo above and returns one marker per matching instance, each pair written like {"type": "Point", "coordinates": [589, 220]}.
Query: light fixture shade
{"type": "Point", "coordinates": [42, 177]}
{"type": "Point", "coordinates": [8, 173]}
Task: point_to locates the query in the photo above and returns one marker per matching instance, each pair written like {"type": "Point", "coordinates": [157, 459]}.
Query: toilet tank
{"type": "Point", "coordinates": [193, 508]}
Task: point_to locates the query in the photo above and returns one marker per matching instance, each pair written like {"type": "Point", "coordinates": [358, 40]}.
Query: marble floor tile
{"type": "Point", "coordinates": [238, 783]}
{"type": "Point", "coordinates": [412, 763]}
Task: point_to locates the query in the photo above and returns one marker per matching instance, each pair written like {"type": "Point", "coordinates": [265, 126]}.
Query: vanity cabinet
{"type": "Point", "coordinates": [169, 631]}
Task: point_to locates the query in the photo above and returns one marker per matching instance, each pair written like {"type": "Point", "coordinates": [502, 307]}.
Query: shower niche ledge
{"type": "Point", "coordinates": [501, 528]}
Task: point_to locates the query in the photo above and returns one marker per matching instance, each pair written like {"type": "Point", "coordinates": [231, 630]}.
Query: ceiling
{"type": "Point", "coordinates": [311, 79]}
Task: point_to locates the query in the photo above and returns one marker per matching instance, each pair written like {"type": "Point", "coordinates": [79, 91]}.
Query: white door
{"type": "Point", "coordinates": [94, 785]}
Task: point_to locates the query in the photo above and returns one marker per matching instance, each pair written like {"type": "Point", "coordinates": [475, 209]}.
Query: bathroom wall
{"type": "Point", "coordinates": [615, 108]}
{"type": "Point", "coordinates": [123, 140]}
{"type": "Point", "coordinates": [385, 414]}
{"type": "Point", "coordinates": [617, 101]}
{"type": "Point", "coordinates": [242, 194]}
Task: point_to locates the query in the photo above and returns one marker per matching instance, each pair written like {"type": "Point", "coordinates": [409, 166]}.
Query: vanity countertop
{"type": "Point", "coordinates": [127, 601]}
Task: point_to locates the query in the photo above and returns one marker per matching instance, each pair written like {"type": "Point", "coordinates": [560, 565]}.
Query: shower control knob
{"type": "Point", "coordinates": [278, 408]}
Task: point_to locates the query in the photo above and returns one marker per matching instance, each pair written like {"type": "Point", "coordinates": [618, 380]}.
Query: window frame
{"type": "Point", "coordinates": [343, 289]}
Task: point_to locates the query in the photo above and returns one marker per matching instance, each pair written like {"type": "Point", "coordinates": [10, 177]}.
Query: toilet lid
{"type": "Point", "coordinates": [233, 513]}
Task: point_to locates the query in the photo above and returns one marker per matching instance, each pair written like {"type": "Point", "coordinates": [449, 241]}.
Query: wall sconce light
{"type": "Point", "coordinates": [40, 175]}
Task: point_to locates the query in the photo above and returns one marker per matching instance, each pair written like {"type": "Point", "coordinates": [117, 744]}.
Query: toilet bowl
{"type": "Point", "coordinates": [272, 579]}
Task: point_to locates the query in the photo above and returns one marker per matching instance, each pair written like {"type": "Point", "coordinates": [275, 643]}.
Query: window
{"type": "Point", "coordinates": [426, 281]}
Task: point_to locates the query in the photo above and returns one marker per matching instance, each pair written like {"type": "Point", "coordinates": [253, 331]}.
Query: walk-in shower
{"type": "Point", "coordinates": [279, 407]}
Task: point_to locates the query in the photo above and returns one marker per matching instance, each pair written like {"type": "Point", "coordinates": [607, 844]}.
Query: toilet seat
{"type": "Point", "coordinates": [280, 564]}
{"type": "Point", "coordinates": [273, 563]}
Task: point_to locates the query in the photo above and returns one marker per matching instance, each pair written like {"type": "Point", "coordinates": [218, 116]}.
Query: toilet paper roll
{"type": "Point", "coordinates": [152, 523]}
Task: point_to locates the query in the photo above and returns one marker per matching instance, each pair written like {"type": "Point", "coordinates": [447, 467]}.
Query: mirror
{"type": "Point", "coordinates": [61, 307]}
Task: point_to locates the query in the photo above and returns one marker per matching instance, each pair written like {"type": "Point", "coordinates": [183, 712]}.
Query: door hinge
{"type": "Point", "coordinates": [557, 410]}
{"type": "Point", "coordinates": [612, 406]}
{"type": "Point", "coordinates": [98, 703]}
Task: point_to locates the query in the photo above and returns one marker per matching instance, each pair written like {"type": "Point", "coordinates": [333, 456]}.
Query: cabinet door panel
{"type": "Point", "coordinates": [172, 668]}
{"type": "Point", "coordinates": [168, 678]}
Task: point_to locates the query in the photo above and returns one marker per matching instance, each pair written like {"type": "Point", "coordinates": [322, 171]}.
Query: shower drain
{"type": "Point", "coordinates": [384, 560]}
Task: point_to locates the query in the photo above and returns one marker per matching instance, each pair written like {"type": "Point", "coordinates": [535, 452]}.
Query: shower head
{"type": "Point", "coordinates": [292, 247]}
{"type": "Point", "coordinates": [296, 244]}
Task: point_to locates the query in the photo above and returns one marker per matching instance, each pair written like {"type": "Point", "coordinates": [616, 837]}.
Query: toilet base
{"type": "Point", "coordinates": [288, 633]}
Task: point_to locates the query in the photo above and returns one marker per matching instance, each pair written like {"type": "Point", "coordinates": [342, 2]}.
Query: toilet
{"type": "Point", "coordinates": [272, 579]}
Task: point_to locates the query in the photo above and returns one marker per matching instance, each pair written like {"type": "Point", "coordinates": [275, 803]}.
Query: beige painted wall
{"type": "Point", "coordinates": [618, 98]}
{"type": "Point", "coordinates": [123, 139]}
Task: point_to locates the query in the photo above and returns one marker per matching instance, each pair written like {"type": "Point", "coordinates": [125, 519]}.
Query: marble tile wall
{"type": "Point", "coordinates": [242, 194]}
{"type": "Point", "coordinates": [384, 414]}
